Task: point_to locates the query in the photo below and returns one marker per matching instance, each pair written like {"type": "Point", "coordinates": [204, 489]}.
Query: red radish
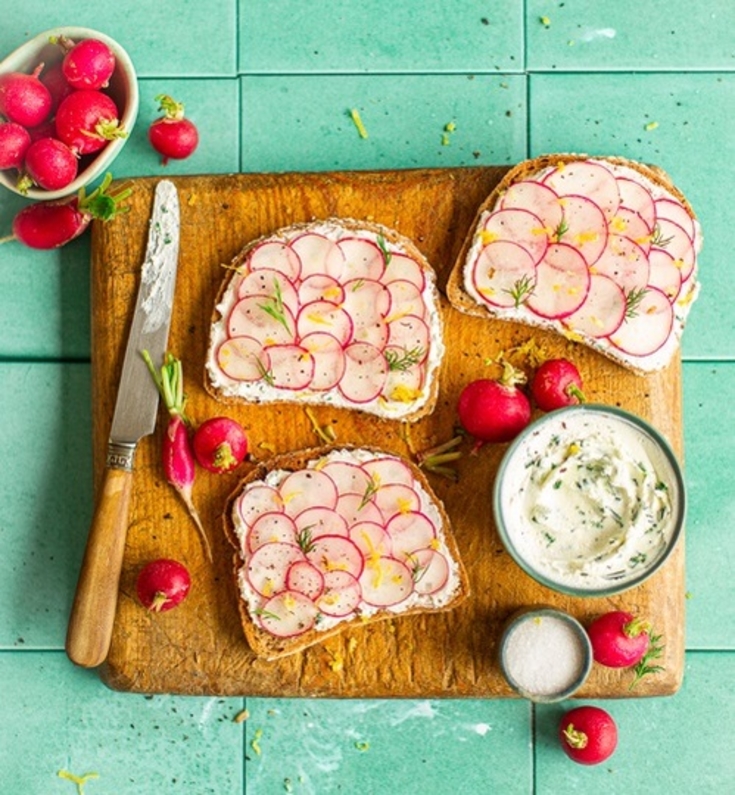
{"type": "Point", "coordinates": [494, 410]}
{"type": "Point", "coordinates": [557, 383]}
{"type": "Point", "coordinates": [179, 465]}
{"type": "Point", "coordinates": [46, 129]}
{"type": "Point", "coordinates": [51, 164]}
{"type": "Point", "coordinates": [24, 99]}
{"type": "Point", "coordinates": [89, 64]}
{"type": "Point", "coordinates": [619, 640]}
{"type": "Point", "coordinates": [14, 142]}
{"type": "Point", "coordinates": [53, 224]}
{"type": "Point", "coordinates": [86, 120]}
{"type": "Point", "coordinates": [172, 135]}
{"type": "Point", "coordinates": [54, 80]}
{"type": "Point", "coordinates": [220, 444]}
{"type": "Point", "coordinates": [163, 584]}
{"type": "Point", "coordinates": [588, 735]}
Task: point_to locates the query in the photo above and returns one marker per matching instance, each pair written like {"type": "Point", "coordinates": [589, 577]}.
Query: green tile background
{"type": "Point", "coordinates": [270, 85]}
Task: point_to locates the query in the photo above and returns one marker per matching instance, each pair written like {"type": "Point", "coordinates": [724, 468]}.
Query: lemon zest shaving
{"type": "Point", "coordinates": [357, 121]}
{"type": "Point", "coordinates": [79, 781]}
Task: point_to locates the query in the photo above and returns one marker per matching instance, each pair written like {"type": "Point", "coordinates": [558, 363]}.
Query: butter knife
{"type": "Point", "coordinates": [93, 612]}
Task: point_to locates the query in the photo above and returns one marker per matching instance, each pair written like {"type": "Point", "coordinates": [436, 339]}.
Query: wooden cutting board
{"type": "Point", "coordinates": [199, 648]}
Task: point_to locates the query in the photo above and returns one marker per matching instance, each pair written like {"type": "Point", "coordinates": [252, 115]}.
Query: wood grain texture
{"type": "Point", "coordinates": [199, 648]}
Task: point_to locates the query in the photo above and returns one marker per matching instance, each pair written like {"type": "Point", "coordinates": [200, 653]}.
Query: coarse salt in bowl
{"type": "Point", "coordinates": [545, 654]}
{"type": "Point", "coordinates": [589, 500]}
{"type": "Point", "coordinates": [123, 89]}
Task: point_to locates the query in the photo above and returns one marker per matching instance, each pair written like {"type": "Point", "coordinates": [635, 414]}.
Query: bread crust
{"type": "Point", "coordinates": [269, 647]}
{"type": "Point", "coordinates": [289, 233]}
{"type": "Point", "coordinates": [464, 302]}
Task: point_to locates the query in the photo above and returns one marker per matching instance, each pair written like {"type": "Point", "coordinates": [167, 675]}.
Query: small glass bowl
{"type": "Point", "coordinates": [545, 654]}
{"type": "Point", "coordinates": [123, 89]}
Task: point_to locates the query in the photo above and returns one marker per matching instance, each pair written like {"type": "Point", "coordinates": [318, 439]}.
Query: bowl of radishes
{"type": "Point", "coordinates": [68, 102]}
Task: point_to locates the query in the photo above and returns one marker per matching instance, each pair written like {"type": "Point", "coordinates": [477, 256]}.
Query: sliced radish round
{"type": "Point", "coordinates": [625, 262]}
{"type": "Point", "coordinates": [348, 477]}
{"type": "Point", "coordinates": [320, 287]}
{"type": "Point", "coordinates": [562, 282]}
{"type": "Point", "coordinates": [371, 539]}
{"type": "Point", "coordinates": [536, 198]}
{"type": "Point", "coordinates": [602, 311]}
{"type": "Point", "coordinates": [291, 366]}
{"type": "Point", "coordinates": [269, 528]}
{"type": "Point", "coordinates": [363, 259]}
{"type": "Point", "coordinates": [673, 239]}
{"type": "Point", "coordinates": [269, 284]}
{"type": "Point", "coordinates": [411, 333]}
{"type": "Point", "coordinates": [517, 226]}
{"type": "Point", "coordinates": [648, 327]}
{"type": "Point", "coordinates": [665, 274]}
{"type": "Point", "coordinates": [631, 224]}
{"type": "Point", "coordinates": [328, 355]}
{"type": "Point", "coordinates": [307, 488]}
{"type": "Point", "coordinates": [260, 318]}
{"type": "Point", "coordinates": [504, 274]}
{"type": "Point", "coordinates": [672, 210]}
{"type": "Point", "coordinates": [326, 317]}
{"type": "Point", "coordinates": [409, 532]}
{"type": "Point", "coordinates": [366, 300]}
{"type": "Point", "coordinates": [342, 594]}
{"type": "Point", "coordinates": [401, 266]}
{"type": "Point", "coordinates": [405, 299]}
{"type": "Point", "coordinates": [365, 372]}
{"type": "Point", "coordinates": [318, 254]}
{"type": "Point", "coordinates": [257, 499]}
{"type": "Point", "coordinates": [288, 614]}
{"type": "Point", "coordinates": [585, 227]}
{"type": "Point", "coordinates": [636, 197]}
{"type": "Point", "coordinates": [357, 508]}
{"type": "Point", "coordinates": [430, 570]}
{"type": "Point", "coordinates": [306, 579]}
{"type": "Point", "coordinates": [243, 359]}
{"type": "Point", "coordinates": [275, 256]}
{"type": "Point", "coordinates": [336, 553]}
{"type": "Point", "coordinates": [320, 521]}
{"type": "Point", "coordinates": [387, 470]}
{"type": "Point", "coordinates": [586, 178]}
{"type": "Point", "coordinates": [268, 565]}
{"type": "Point", "coordinates": [386, 582]}
{"type": "Point", "coordinates": [396, 498]}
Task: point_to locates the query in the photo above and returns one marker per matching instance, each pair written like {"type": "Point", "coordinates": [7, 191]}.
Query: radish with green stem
{"type": "Point", "coordinates": [88, 64]}
{"type": "Point", "coordinates": [220, 444]}
{"type": "Point", "coordinates": [557, 383]}
{"type": "Point", "coordinates": [179, 465]}
{"type": "Point", "coordinates": [172, 136]}
{"type": "Point", "coordinates": [162, 585]}
{"type": "Point", "coordinates": [87, 120]}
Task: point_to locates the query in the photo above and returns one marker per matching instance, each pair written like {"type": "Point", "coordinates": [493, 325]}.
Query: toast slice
{"type": "Point", "coordinates": [336, 312]}
{"type": "Point", "coordinates": [331, 538]}
{"type": "Point", "coordinates": [600, 249]}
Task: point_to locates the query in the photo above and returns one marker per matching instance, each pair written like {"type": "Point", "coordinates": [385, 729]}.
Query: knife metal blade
{"type": "Point", "coordinates": [93, 611]}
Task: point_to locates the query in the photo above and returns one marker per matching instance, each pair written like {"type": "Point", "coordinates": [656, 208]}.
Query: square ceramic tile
{"type": "Point", "coordinates": [163, 38]}
{"type": "Point", "coordinates": [305, 123]}
{"type": "Point", "coordinates": [593, 35]}
{"type": "Point", "coordinates": [665, 745]}
{"type": "Point", "coordinates": [319, 747]}
{"type": "Point", "coordinates": [57, 718]}
{"type": "Point", "coordinates": [708, 457]}
{"type": "Point", "coordinates": [46, 506]}
{"type": "Point", "coordinates": [291, 36]}
{"type": "Point", "coordinates": [680, 122]}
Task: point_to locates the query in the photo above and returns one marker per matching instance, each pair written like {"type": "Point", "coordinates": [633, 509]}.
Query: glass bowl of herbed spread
{"type": "Point", "coordinates": [589, 500]}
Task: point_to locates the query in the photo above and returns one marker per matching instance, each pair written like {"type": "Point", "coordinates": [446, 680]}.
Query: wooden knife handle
{"type": "Point", "coordinates": [93, 612]}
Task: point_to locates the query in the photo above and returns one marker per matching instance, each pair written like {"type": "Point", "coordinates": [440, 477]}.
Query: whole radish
{"type": "Point", "coordinates": [54, 80]}
{"type": "Point", "coordinates": [162, 584]}
{"type": "Point", "coordinates": [619, 640]}
{"type": "Point", "coordinates": [53, 224]}
{"type": "Point", "coordinates": [50, 164]}
{"type": "Point", "coordinates": [494, 410]}
{"type": "Point", "coordinates": [555, 384]}
{"type": "Point", "coordinates": [220, 444]}
{"type": "Point", "coordinates": [172, 136]}
{"type": "Point", "coordinates": [588, 735]}
{"type": "Point", "coordinates": [177, 457]}
{"type": "Point", "coordinates": [89, 64]}
{"type": "Point", "coordinates": [86, 120]}
{"type": "Point", "coordinates": [14, 142]}
{"type": "Point", "coordinates": [24, 99]}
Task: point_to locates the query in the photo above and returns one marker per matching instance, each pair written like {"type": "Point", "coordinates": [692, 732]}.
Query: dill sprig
{"type": "Point", "coordinates": [561, 230]}
{"type": "Point", "coordinates": [644, 666]}
{"type": "Point", "coordinates": [387, 256]}
{"type": "Point", "coordinates": [305, 540]}
{"type": "Point", "coordinates": [658, 239]}
{"type": "Point", "coordinates": [396, 361]}
{"type": "Point", "coordinates": [274, 307]}
{"type": "Point", "coordinates": [521, 290]}
{"type": "Point", "coordinates": [371, 488]}
{"type": "Point", "coordinates": [265, 374]}
{"type": "Point", "coordinates": [633, 301]}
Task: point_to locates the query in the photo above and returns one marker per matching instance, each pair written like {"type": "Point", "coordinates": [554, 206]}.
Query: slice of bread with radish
{"type": "Point", "coordinates": [600, 249]}
{"type": "Point", "coordinates": [337, 537]}
{"type": "Point", "coordinates": [336, 311]}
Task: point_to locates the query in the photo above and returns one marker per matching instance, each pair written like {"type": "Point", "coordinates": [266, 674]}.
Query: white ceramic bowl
{"type": "Point", "coordinates": [589, 500]}
{"type": "Point", "coordinates": [123, 89]}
